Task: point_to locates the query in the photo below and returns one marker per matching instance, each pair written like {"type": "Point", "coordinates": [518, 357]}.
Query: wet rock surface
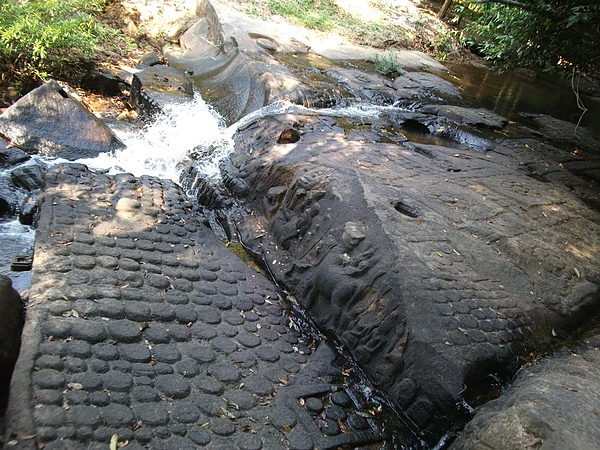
{"type": "Point", "coordinates": [11, 156]}
{"type": "Point", "coordinates": [434, 266]}
{"type": "Point", "coordinates": [50, 122]}
{"type": "Point", "coordinates": [154, 86]}
{"type": "Point", "coordinates": [141, 324]}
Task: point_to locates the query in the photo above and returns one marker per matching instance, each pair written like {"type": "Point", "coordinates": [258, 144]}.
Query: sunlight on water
{"type": "Point", "coordinates": [193, 132]}
{"type": "Point", "coordinates": [182, 130]}
{"type": "Point", "coordinates": [15, 239]}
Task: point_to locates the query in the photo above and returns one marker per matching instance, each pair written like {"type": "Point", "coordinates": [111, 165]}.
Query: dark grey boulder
{"type": "Point", "coordinates": [12, 156]}
{"type": "Point", "coordinates": [10, 198]}
{"type": "Point", "coordinates": [28, 210]}
{"type": "Point", "coordinates": [5, 205]}
{"type": "Point", "coordinates": [437, 267]}
{"type": "Point", "coordinates": [11, 315]}
{"type": "Point", "coordinates": [553, 403]}
{"type": "Point", "coordinates": [28, 177]}
{"type": "Point", "coordinates": [51, 122]}
{"type": "Point", "coordinates": [154, 87]}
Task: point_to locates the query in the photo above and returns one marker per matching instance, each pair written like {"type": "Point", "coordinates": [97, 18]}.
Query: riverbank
{"type": "Point", "coordinates": [150, 24]}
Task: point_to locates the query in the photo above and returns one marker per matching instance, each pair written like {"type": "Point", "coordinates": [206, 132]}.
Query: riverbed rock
{"type": "Point", "coordinates": [418, 85]}
{"type": "Point", "coordinates": [241, 64]}
{"type": "Point", "coordinates": [145, 319]}
{"type": "Point", "coordinates": [372, 87]}
{"type": "Point", "coordinates": [438, 267]}
{"type": "Point", "coordinates": [153, 87]}
{"type": "Point", "coordinates": [9, 198]}
{"type": "Point", "coordinates": [12, 156]}
{"type": "Point", "coordinates": [553, 403]}
{"type": "Point", "coordinates": [565, 134]}
{"type": "Point", "coordinates": [53, 123]}
{"type": "Point", "coordinates": [29, 176]}
{"type": "Point", "coordinates": [28, 210]}
{"type": "Point", "coordinates": [233, 67]}
{"type": "Point", "coordinates": [478, 117]}
{"type": "Point", "coordinates": [11, 316]}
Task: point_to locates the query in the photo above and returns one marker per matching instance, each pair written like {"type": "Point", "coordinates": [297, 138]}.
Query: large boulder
{"type": "Point", "coordinates": [11, 156]}
{"type": "Point", "coordinates": [11, 314]}
{"type": "Point", "coordinates": [553, 403]}
{"type": "Point", "coordinates": [51, 122]}
{"type": "Point", "coordinates": [10, 197]}
{"type": "Point", "coordinates": [438, 268]}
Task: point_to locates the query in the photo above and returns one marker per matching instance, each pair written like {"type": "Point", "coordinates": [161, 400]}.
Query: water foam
{"type": "Point", "coordinates": [160, 147]}
{"type": "Point", "coordinates": [193, 132]}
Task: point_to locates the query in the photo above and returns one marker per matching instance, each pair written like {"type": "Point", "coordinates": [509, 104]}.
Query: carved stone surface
{"type": "Point", "coordinates": [434, 266]}
{"type": "Point", "coordinates": [142, 324]}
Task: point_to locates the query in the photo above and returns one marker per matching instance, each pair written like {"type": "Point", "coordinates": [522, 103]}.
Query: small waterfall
{"type": "Point", "coordinates": [193, 132]}
{"type": "Point", "coordinates": [182, 132]}
{"type": "Point", "coordinates": [187, 140]}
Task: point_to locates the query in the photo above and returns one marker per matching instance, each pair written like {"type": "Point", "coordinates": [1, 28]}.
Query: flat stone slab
{"type": "Point", "coordinates": [142, 327]}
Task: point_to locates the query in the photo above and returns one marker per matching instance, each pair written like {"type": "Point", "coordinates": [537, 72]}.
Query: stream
{"type": "Point", "coordinates": [163, 149]}
{"type": "Point", "coordinates": [166, 147]}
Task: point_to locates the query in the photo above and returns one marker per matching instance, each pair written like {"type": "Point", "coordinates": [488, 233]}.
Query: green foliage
{"type": "Point", "coordinates": [387, 63]}
{"type": "Point", "coordinates": [39, 37]}
{"type": "Point", "coordinates": [325, 15]}
{"type": "Point", "coordinates": [548, 34]}
{"type": "Point", "coordinates": [317, 14]}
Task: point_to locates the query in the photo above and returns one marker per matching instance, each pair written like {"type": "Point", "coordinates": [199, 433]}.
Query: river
{"type": "Point", "coordinates": [166, 146]}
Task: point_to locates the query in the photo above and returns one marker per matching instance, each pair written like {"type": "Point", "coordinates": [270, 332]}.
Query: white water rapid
{"type": "Point", "coordinates": [195, 130]}
{"type": "Point", "coordinates": [183, 133]}
{"type": "Point", "coordinates": [161, 147]}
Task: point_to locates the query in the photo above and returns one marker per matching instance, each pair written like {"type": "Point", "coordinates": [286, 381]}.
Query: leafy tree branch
{"type": "Point", "coordinates": [521, 5]}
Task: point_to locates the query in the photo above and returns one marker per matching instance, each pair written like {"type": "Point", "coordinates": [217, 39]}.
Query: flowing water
{"type": "Point", "coordinates": [15, 239]}
{"type": "Point", "coordinates": [511, 94]}
{"type": "Point", "coordinates": [192, 132]}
